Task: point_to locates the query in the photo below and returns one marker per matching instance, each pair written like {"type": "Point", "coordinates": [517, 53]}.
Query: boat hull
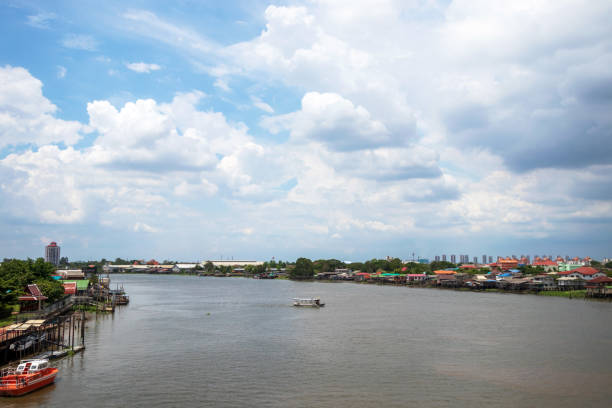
{"type": "Point", "coordinates": [16, 386]}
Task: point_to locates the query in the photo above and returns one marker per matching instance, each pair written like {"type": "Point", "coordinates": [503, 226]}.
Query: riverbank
{"type": "Point", "coordinates": [580, 294]}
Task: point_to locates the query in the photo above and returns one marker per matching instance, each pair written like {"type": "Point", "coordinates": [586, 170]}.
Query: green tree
{"type": "Point", "coordinates": [608, 265]}
{"type": "Point", "coordinates": [439, 265]}
{"type": "Point", "coordinates": [7, 297]}
{"type": "Point", "coordinates": [52, 289]}
{"type": "Point", "coordinates": [303, 269]}
{"type": "Point", "coordinates": [395, 264]}
{"type": "Point", "coordinates": [16, 274]}
{"type": "Point", "coordinates": [209, 267]}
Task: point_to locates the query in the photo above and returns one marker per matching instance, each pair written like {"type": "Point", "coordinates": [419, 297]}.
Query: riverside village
{"type": "Point", "coordinates": [46, 303]}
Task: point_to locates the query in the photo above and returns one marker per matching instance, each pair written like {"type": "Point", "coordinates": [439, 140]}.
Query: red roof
{"type": "Point", "coordinates": [52, 244]}
{"type": "Point", "coordinates": [34, 290]}
{"type": "Point", "coordinates": [70, 288]}
{"type": "Point", "coordinates": [544, 263]}
{"type": "Point", "coordinates": [35, 294]}
{"type": "Point", "coordinates": [601, 279]}
{"type": "Point", "coordinates": [32, 298]}
{"type": "Point", "coordinates": [584, 270]}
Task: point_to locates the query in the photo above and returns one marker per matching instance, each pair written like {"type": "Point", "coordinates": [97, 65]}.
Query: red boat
{"type": "Point", "coordinates": [29, 376]}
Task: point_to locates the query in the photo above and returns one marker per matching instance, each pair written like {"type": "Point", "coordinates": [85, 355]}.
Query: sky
{"type": "Point", "coordinates": [194, 130]}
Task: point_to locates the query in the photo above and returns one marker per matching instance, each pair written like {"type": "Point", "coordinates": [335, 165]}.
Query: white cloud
{"type": "Point", "coordinates": [41, 20]}
{"type": "Point", "coordinates": [26, 116]}
{"type": "Point", "coordinates": [80, 42]}
{"type": "Point", "coordinates": [142, 227]}
{"type": "Point", "coordinates": [333, 120]}
{"type": "Point", "coordinates": [142, 67]}
{"type": "Point", "coordinates": [258, 103]}
{"type": "Point", "coordinates": [485, 118]}
{"type": "Point", "coordinates": [61, 72]}
{"type": "Point", "coordinates": [150, 25]}
{"type": "Point", "coordinates": [222, 84]}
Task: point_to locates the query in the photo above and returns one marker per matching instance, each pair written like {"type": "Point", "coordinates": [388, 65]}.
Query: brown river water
{"type": "Point", "coordinates": [186, 341]}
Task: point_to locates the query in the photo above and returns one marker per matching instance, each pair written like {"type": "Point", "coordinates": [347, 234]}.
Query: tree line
{"type": "Point", "coordinates": [16, 275]}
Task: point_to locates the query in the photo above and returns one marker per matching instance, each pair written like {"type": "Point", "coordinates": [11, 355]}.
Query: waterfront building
{"type": "Point", "coordinates": [184, 267]}
{"type": "Point", "coordinates": [573, 264]}
{"type": "Point", "coordinates": [52, 253]}
{"type": "Point", "coordinates": [70, 273]}
{"type": "Point", "coordinates": [233, 263]}
{"type": "Point", "coordinates": [504, 264]}
{"type": "Point", "coordinates": [584, 273]}
{"type": "Point", "coordinates": [32, 300]}
{"type": "Point", "coordinates": [547, 264]}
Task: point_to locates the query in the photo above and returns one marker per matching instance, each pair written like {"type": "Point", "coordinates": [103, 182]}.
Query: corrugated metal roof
{"type": "Point", "coordinates": [82, 284]}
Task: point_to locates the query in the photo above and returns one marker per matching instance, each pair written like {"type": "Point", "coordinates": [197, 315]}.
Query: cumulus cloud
{"type": "Point", "coordinates": [485, 118]}
{"type": "Point", "coordinates": [142, 67]}
{"type": "Point", "coordinates": [145, 156]}
{"type": "Point", "coordinates": [526, 80]}
{"type": "Point", "coordinates": [26, 116]}
{"type": "Point", "coordinates": [335, 121]}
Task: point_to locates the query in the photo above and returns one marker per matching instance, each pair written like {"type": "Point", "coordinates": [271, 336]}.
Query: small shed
{"type": "Point", "coordinates": [70, 288]}
{"type": "Point", "coordinates": [32, 300]}
{"type": "Point", "coordinates": [81, 287]}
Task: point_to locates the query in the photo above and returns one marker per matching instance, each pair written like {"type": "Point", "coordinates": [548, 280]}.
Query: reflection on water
{"type": "Point", "coordinates": [232, 342]}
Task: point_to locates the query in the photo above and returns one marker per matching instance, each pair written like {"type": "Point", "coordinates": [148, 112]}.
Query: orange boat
{"type": "Point", "coordinates": [29, 376]}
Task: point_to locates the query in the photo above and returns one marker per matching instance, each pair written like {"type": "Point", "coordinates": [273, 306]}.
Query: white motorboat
{"type": "Point", "coordinates": [308, 302]}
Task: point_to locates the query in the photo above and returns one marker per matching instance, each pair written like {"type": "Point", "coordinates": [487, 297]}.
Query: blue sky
{"type": "Point", "coordinates": [350, 129]}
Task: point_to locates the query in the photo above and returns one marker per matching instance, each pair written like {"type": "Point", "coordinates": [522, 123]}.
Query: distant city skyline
{"type": "Point", "coordinates": [262, 129]}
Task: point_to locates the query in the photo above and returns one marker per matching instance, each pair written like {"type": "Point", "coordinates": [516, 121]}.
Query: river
{"type": "Point", "coordinates": [187, 341]}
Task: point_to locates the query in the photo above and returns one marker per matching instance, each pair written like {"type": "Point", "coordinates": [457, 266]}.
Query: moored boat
{"type": "Point", "coordinates": [308, 302]}
{"type": "Point", "coordinates": [29, 376]}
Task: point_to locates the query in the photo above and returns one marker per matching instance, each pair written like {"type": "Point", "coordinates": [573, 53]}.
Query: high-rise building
{"type": "Point", "coordinates": [484, 259]}
{"type": "Point", "coordinates": [52, 253]}
{"type": "Point", "coordinates": [475, 260]}
{"type": "Point", "coordinates": [437, 258]}
{"type": "Point", "coordinates": [443, 257]}
{"type": "Point", "coordinates": [490, 259]}
{"type": "Point", "coordinates": [453, 259]}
